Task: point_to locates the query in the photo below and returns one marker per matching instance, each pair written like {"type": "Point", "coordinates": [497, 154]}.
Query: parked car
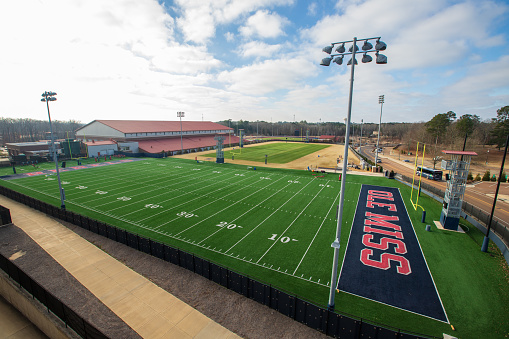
{"type": "Point", "coordinates": [406, 160]}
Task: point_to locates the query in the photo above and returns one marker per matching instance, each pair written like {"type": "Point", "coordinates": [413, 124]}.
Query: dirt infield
{"type": "Point", "coordinates": [325, 158]}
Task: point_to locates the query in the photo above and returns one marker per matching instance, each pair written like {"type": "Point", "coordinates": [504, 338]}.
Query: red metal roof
{"type": "Point", "coordinates": [459, 152]}
{"type": "Point", "coordinates": [144, 126]}
{"type": "Point", "coordinates": [173, 144]}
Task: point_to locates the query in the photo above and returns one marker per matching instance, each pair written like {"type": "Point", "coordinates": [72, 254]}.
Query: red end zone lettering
{"type": "Point", "coordinates": [395, 234]}
{"type": "Point", "coordinates": [385, 261]}
{"type": "Point", "coordinates": [384, 243]}
{"type": "Point", "coordinates": [380, 195]}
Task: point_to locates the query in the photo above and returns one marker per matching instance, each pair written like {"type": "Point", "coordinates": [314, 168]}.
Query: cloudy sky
{"type": "Point", "coordinates": [250, 59]}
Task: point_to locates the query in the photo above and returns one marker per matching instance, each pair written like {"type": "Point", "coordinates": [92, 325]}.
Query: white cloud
{"type": "Point", "coordinates": [268, 76]}
{"type": "Point", "coordinates": [264, 24]}
{"type": "Point", "coordinates": [102, 58]}
{"type": "Point", "coordinates": [470, 95]}
{"type": "Point", "coordinates": [229, 36]}
{"type": "Point", "coordinates": [200, 17]}
{"type": "Point", "coordinates": [312, 8]}
{"type": "Point", "coordinates": [258, 49]}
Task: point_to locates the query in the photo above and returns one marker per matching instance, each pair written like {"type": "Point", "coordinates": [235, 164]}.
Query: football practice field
{"type": "Point", "coordinates": [276, 153]}
{"type": "Point", "coordinates": [277, 226]}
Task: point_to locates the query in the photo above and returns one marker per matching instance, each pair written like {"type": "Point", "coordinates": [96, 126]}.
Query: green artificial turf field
{"type": "Point", "coordinates": [278, 226]}
{"type": "Point", "coordinates": [277, 153]}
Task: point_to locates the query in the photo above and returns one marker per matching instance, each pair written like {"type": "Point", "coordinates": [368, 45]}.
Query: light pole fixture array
{"type": "Point", "coordinates": [367, 47]}
{"type": "Point", "coordinates": [181, 115]}
{"type": "Point", "coordinates": [47, 97]}
{"type": "Point", "coordinates": [381, 102]}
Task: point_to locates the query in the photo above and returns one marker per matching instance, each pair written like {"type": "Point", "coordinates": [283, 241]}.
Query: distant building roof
{"type": "Point", "coordinates": [145, 126]}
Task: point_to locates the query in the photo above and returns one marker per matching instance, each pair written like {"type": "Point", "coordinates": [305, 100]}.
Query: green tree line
{"type": "Point", "coordinates": [29, 130]}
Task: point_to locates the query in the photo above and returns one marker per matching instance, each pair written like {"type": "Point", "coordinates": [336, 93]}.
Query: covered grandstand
{"type": "Point", "coordinates": [157, 136]}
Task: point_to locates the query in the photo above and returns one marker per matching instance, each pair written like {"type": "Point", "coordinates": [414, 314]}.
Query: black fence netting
{"type": "Point", "coordinates": [299, 309]}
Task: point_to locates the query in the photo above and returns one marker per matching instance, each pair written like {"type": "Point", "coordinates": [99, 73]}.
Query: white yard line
{"type": "Point", "coordinates": [198, 197]}
{"type": "Point", "coordinates": [294, 220]}
{"type": "Point", "coordinates": [213, 201]}
{"type": "Point", "coordinates": [249, 210]}
{"type": "Point", "coordinates": [166, 192]}
{"type": "Point", "coordinates": [318, 231]}
{"type": "Point", "coordinates": [158, 187]}
{"type": "Point", "coordinates": [269, 216]}
{"type": "Point", "coordinates": [229, 206]}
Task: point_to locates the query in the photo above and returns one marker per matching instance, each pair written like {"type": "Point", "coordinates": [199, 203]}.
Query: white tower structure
{"type": "Point", "coordinates": [456, 183]}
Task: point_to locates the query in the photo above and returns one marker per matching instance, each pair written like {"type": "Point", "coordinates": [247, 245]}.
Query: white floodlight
{"type": "Point", "coordinates": [367, 46]}
{"type": "Point", "coordinates": [326, 61]}
{"type": "Point", "coordinates": [338, 60]}
{"type": "Point", "coordinates": [380, 45]}
{"type": "Point", "coordinates": [341, 48]}
{"type": "Point", "coordinates": [327, 49]}
{"type": "Point", "coordinates": [351, 48]}
{"type": "Point", "coordinates": [380, 58]}
{"type": "Point", "coordinates": [366, 58]}
{"type": "Point", "coordinates": [350, 61]}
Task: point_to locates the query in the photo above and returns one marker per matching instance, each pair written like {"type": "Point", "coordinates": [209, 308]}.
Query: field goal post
{"type": "Point", "coordinates": [416, 204]}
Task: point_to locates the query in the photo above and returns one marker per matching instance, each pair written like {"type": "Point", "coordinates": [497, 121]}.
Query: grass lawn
{"type": "Point", "coordinates": [277, 226]}
{"type": "Point", "coordinates": [277, 153]}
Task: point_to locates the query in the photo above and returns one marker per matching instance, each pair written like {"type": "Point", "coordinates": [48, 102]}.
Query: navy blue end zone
{"type": "Point", "coordinates": [383, 260]}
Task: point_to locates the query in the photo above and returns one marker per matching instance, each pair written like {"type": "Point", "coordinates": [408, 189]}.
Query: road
{"type": "Point", "coordinates": [480, 195]}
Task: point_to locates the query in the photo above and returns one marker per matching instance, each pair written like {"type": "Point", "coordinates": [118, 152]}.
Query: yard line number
{"type": "Point", "coordinates": [153, 206]}
{"type": "Point", "coordinates": [227, 225]}
{"type": "Point", "coordinates": [186, 214]}
{"type": "Point", "coordinates": [284, 240]}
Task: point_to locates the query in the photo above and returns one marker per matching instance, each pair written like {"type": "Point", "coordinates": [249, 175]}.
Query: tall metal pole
{"type": "Point", "coordinates": [486, 240]}
{"type": "Point", "coordinates": [381, 102]}
{"type": "Point", "coordinates": [49, 98]}
{"type": "Point", "coordinates": [337, 242]}
{"type": "Point", "coordinates": [360, 146]}
{"type": "Point", "coordinates": [180, 115]}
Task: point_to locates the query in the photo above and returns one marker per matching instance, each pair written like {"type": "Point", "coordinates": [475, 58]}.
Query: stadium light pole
{"type": "Point", "coordinates": [381, 102]}
{"type": "Point", "coordinates": [181, 115]}
{"type": "Point", "coordinates": [47, 97]}
{"type": "Point", "coordinates": [360, 145]}
{"type": "Point", "coordinates": [338, 59]}
{"type": "Point", "coordinates": [486, 240]}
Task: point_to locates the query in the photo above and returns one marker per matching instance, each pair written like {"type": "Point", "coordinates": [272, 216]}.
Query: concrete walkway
{"type": "Point", "coordinates": [146, 308]}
